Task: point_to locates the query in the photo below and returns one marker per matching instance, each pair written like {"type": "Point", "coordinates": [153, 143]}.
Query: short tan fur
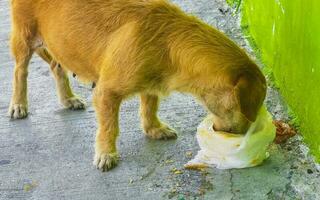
{"type": "Point", "coordinates": [128, 47]}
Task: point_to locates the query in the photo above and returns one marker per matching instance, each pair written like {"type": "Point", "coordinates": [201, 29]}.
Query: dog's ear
{"type": "Point", "coordinates": [250, 91]}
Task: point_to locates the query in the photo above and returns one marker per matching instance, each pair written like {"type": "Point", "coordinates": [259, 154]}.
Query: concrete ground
{"type": "Point", "coordinates": [49, 154]}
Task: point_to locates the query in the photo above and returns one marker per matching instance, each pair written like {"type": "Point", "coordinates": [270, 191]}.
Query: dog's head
{"type": "Point", "coordinates": [235, 106]}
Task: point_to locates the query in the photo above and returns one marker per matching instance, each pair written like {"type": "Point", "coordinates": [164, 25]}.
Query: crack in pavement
{"type": "Point", "coordinates": [152, 169]}
{"type": "Point", "coordinates": [231, 185]}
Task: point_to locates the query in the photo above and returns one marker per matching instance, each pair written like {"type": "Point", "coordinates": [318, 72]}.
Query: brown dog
{"type": "Point", "coordinates": [127, 47]}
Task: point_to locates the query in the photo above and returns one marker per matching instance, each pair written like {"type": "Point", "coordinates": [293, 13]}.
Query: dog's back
{"type": "Point", "coordinates": [78, 33]}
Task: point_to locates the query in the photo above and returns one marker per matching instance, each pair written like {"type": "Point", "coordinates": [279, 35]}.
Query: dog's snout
{"type": "Point", "coordinates": [238, 127]}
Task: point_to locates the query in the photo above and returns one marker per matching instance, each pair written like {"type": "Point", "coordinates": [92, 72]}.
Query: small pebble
{"type": "Point", "coordinates": [181, 197]}
{"type": "Point", "coordinates": [189, 154]}
{"type": "Point", "coordinates": [293, 167]}
{"type": "Point", "coordinates": [169, 161]}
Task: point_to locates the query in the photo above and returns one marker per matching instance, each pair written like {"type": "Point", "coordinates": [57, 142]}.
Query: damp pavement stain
{"type": "Point", "coordinates": [4, 162]}
{"type": "Point", "coordinates": [51, 151]}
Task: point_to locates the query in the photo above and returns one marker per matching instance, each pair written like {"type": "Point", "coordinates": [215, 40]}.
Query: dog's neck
{"type": "Point", "coordinates": [201, 54]}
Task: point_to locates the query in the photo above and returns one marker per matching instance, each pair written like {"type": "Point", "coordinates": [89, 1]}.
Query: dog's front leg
{"type": "Point", "coordinates": [153, 127]}
{"type": "Point", "coordinates": [107, 105]}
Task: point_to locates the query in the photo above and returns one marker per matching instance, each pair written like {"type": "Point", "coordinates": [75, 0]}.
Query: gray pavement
{"type": "Point", "coordinates": [49, 154]}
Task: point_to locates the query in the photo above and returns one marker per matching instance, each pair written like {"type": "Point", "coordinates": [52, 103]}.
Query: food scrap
{"type": "Point", "coordinates": [176, 171]}
{"type": "Point", "coordinates": [284, 131]}
{"type": "Point", "coordinates": [168, 161]}
{"type": "Point", "coordinates": [196, 167]}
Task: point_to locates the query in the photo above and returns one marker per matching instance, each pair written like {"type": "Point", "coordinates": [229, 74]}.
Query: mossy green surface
{"type": "Point", "coordinates": [286, 35]}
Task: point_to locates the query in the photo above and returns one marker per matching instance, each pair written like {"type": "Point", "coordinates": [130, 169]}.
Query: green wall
{"type": "Point", "coordinates": [286, 35]}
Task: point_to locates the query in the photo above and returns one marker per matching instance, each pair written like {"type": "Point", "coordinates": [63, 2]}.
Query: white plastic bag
{"type": "Point", "coordinates": [227, 151]}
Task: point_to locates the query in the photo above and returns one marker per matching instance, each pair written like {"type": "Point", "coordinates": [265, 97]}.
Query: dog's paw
{"type": "Point", "coordinates": [106, 161]}
{"type": "Point", "coordinates": [18, 111]}
{"type": "Point", "coordinates": [161, 133]}
{"type": "Point", "coordinates": [74, 103]}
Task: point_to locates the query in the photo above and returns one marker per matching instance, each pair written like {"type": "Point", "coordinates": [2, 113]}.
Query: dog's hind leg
{"type": "Point", "coordinates": [22, 52]}
{"type": "Point", "coordinates": [65, 93]}
{"type": "Point", "coordinates": [153, 127]}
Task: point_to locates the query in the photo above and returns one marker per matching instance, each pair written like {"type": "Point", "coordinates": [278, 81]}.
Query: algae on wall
{"type": "Point", "coordinates": [287, 35]}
